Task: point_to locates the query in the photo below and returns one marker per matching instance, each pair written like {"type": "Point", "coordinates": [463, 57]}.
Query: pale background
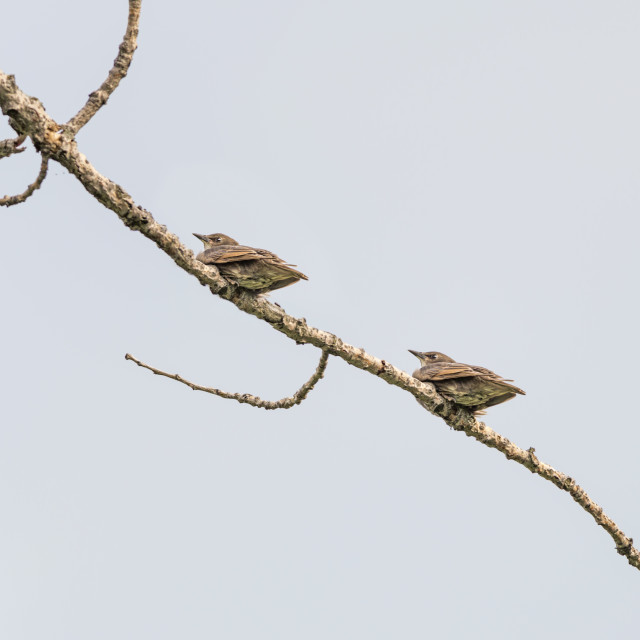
{"type": "Point", "coordinates": [459, 176]}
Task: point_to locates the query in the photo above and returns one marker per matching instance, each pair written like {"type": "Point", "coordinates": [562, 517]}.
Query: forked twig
{"type": "Point", "coordinates": [118, 71]}
{"type": "Point", "coordinates": [247, 398]}
{"type": "Point", "coordinates": [9, 201]}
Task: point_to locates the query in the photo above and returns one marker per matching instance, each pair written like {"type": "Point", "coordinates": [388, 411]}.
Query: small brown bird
{"type": "Point", "coordinates": [255, 269]}
{"type": "Point", "coordinates": [475, 388]}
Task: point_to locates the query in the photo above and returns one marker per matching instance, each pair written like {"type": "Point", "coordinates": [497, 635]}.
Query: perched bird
{"type": "Point", "coordinates": [255, 269]}
{"type": "Point", "coordinates": [475, 388]}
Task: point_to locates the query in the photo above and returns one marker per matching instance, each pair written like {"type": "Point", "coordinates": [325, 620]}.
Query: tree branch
{"type": "Point", "coordinates": [119, 70]}
{"type": "Point", "coordinates": [246, 398]}
{"type": "Point", "coordinates": [11, 146]}
{"type": "Point", "coordinates": [27, 115]}
{"type": "Point", "coordinates": [9, 201]}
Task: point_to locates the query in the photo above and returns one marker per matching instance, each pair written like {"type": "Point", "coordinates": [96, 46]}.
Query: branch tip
{"type": "Point", "coordinates": [9, 201]}
{"type": "Point", "coordinates": [119, 70]}
{"type": "Point", "coordinates": [247, 398]}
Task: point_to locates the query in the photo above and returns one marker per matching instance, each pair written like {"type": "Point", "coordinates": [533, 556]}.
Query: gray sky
{"type": "Point", "coordinates": [455, 176]}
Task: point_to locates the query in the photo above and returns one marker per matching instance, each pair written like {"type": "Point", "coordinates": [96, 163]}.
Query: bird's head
{"type": "Point", "coordinates": [429, 357]}
{"type": "Point", "coordinates": [215, 240]}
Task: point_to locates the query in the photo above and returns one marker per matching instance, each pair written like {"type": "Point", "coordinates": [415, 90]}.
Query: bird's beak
{"type": "Point", "coordinates": [201, 238]}
{"type": "Point", "coordinates": [417, 354]}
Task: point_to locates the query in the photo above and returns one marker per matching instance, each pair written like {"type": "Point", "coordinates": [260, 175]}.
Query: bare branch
{"type": "Point", "coordinates": [118, 71]}
{"type": "Point", "coordinates": [11, 146]}
{"type": "Point", "coordinates": [27, 115]}
{"type": "Point", "coordinates": [9, 201]}
{"type": "Point", "coordinates": [246, 398]}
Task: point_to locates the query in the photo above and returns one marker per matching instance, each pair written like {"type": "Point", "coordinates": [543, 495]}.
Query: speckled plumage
{"type": "Point", "coordinates": [475, 388]}
{"type": "Point", "coordinates": [250, 268]}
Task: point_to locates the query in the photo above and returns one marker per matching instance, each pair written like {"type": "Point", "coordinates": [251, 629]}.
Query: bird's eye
{"type": "Point", "coordinates": [217, 239]}
{"type": "Point", "coordinates": [432, 356]}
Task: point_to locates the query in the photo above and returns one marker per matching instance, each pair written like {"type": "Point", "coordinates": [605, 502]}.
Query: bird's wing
{"type": "Point", "coordinates": [229, 253]}
{"type": "Point", "coordinates": [273, 259]}
{"type": "Point", "coordinates": [449, 370]}
{"type": "Point", "coordinates": [512, 387]}
{"type": "Point", "coordinates": [494, 377]}
{"type": "Point", "coordinates": [238, 253]}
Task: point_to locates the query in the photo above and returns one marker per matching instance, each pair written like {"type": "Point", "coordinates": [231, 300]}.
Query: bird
{"type": "Point", "coordinates": [256, 269]}
{"type": "Point", "coordinates": [475, 388]}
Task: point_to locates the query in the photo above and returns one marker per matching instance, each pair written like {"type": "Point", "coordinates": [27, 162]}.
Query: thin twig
{"type": "Point", "coordinates": [9, 201]}
{"type": "Point", "coordinates": [118, 71]}
{"type": "Point", "coordinates": [12, 145]}
{"type": "Point", "coordinates": [247, 398]}
{"type": "Point", "coordinates": [29, 116]}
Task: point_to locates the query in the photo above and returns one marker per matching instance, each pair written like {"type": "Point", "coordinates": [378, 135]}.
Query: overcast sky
{"type": "Point", "coordinates": [452, 176]}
